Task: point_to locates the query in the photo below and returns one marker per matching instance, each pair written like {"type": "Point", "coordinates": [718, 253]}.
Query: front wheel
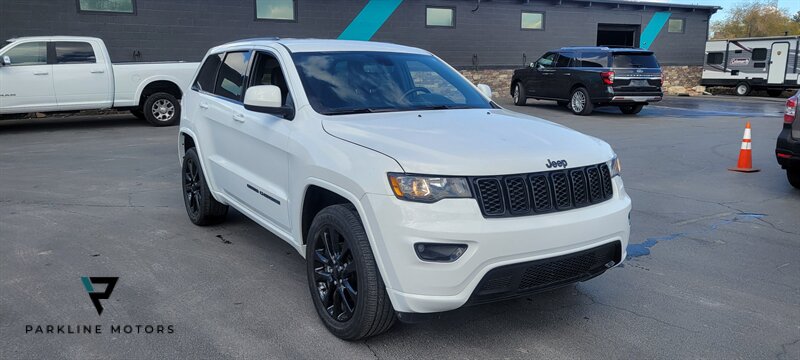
{"type": "Point", "coordinates": [580, 103]}
{"type": "Point", "coordinates": [519, 94]}
{"type": "Point", "coordinates": [201, 206]}
{"type": "Point", "coordinates": [631, 109]}
{"type": "Point", "coordinates": [346, 286]}
{"type": "Point", "coordinates": [162, 109]}
{"type": "Point", "coordinates": [794, 177]}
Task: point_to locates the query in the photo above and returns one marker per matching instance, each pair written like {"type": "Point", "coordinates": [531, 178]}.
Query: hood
{"type": "Point", "coordinates": [468, 141]}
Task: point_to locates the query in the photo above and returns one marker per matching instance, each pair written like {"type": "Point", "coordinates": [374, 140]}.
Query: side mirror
{"type": "Point", "coordinates": [533, 65]}
{"type": "Point", "coordinates": [267, 99]}
{"type": "Point", "coordinates": [6, 60]}
{"type": "Point", "coordinates": [486, 90]}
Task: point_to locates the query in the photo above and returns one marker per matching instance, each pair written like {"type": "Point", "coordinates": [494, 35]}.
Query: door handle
{"type": "Point", "coordinates": [238, 118]}
{"type": "Point", "coordinates": [98, 71]}
{"type": "Point", "coordinates": [567, 74]}
{"type": "Point", "coordinates": [40, 73]}
{"type": "Point", "coordinates": [203, 105]}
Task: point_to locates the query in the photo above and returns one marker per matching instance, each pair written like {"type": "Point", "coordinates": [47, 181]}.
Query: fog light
{"type": "Point", "coordinates": [440, 252]}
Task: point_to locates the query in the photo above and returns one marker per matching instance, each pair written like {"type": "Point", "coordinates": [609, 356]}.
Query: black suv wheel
{"type": "Point", "coordinates": [346, 287]}
{"type": "Point", "coordinates": [201, 206]}
{"type": "Point", "coordinates": [580, 103]}
{"type": "Point", "coordinates": [794, 177]}
{"type": "Point", "coordinates": [519, 94]}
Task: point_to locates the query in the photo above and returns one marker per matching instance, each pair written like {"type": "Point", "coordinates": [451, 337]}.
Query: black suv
{"type": "Point", "coordinates": [581, 78]}
{"type": "Point", "coordinates": [787, 150]}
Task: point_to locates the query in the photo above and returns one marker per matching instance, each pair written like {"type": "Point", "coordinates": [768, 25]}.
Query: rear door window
{"type": "Point", "coordinates": [231, 75]}
{"type": "Point", "coordinates": [74, 52]}
{"type": "Point", "coordinates": [635, 61]}
{"type": "Point", "coordinates": [208, 73]}
{"type": "Point", "coordinates": [596, 59]}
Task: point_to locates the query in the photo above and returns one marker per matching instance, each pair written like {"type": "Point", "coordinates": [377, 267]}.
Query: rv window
{"type": "Point", "coordinates": [714, 58]}
{"type": "Point", "coordinates": [759, 54]}
{"type": "Point", "coordinates": [759, 65]}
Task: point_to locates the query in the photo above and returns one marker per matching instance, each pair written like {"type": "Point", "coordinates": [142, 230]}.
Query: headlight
{"type": "Point", "coordinates": [428, 189]}
{"type": "Point", "coordinates": [614, 166]}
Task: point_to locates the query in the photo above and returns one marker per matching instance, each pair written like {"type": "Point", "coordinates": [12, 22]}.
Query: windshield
{"type": "Point", "coordinates": [359, 82]}
{"type": "Point", "coordinates": [635, 61]}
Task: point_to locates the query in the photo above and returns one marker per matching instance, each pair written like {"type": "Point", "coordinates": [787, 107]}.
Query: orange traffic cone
{"type": "Point", "coordinates": [745, 163]}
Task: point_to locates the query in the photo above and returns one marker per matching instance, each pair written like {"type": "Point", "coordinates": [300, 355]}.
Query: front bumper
{"type": "Point", "coordinates": [787, 149]}
{"type": "Point", "coordinates": [417, 286]}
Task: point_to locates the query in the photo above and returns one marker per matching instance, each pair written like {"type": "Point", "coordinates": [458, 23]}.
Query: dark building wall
{"type": "Point", "coordinates": [185, 29]}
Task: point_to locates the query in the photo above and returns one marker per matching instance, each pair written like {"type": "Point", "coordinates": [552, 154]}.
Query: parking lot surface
{"type": "Point", "coordinates": [714, 267]}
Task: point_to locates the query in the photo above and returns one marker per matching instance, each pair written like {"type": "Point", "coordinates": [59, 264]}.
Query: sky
{"type": "Point", "coordinates": [792, 5]}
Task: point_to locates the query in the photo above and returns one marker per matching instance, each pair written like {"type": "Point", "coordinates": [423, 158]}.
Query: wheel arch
{"type": "Point", "coordinates": [151, 86]}
{"type": "Point", "coordinates": [317, 197]}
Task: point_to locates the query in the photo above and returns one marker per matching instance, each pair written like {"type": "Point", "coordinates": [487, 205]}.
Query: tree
{"type": "Point", "coordinates": [755, 19]}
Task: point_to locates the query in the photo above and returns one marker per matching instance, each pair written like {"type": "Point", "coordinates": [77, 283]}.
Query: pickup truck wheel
{"type": "Point", "coordinates": [794, 177]}
{"type": "Point", "coordinates": [138, 113]}
{"type": "Point", "coordinates": [162, 109]}
{"type": "Point", "coordinates": [346, 286]}
{"type": "Point", "coordinates": [580, 103]}
{"type": "Point", "coordinates": [519, 95]}
{"type": "Point", "coordinates": [201, 206]}
{"type": "Point", "coordinates": [631, 109]}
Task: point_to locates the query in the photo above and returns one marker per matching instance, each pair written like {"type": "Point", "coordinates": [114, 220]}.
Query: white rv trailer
{"type": "Point", "coordinates": [766, 63]}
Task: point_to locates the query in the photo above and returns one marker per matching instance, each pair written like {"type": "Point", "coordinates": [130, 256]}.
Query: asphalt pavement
{"type": "Point", "coordinates": [714, 270]}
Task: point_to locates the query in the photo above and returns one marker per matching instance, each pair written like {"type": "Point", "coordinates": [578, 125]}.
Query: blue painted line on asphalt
{"type": "Point", "coordinates": [643, 248]}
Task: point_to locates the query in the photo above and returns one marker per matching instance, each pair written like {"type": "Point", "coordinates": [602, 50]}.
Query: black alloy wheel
{"type": "Point", "coordinates": [335, 274]}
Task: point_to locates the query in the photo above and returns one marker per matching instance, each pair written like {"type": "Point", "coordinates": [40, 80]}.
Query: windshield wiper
{"type": "Point", "coordinates": [358, 111]}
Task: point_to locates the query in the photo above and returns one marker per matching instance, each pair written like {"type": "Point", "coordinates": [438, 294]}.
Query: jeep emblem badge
{"type": "Point", "coordinates": [556, 164]}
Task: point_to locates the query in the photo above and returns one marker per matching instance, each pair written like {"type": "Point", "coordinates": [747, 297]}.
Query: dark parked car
{"type": "Point", "coordinates": [787, 150]}
{"type": "Point", "coordinates": [582, 78]}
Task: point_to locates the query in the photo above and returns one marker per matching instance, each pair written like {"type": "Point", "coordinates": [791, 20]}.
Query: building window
{"type": "Point", "coordinates": [675, 25]}
{"type": "Point", "coordinates": [107, 6]}
{"type": "Point", "coordinates": [440, 16]}
{"type": "Point", "coordinates": [532, 21]}
{"type": "Point", "coordinates": [714, 58]}
{"type": "Point", "coordinates": [285, 10]}
{"type": "Point", "coordinates": [759, 54]}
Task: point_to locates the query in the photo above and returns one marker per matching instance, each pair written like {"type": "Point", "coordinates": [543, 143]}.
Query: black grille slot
{"type": "Point", "coordinates": [605, 178]}
{"type": "Point", "coordinates": [539, 193]}
{"type": "Point", "coordinates": [579, 192]}
{"type": "Point", "coordinates": [517, 195]}
{"type": "Point", "coordinates": [491, 196]}
{"type": "Point", "coordinates": [561, 190]}
{"type": "Point", "coordinates": [556, 271]}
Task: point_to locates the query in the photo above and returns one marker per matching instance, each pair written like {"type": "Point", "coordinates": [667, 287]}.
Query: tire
{"type": "Point", "coordinates": [563, 104]}
{"type": "Point", "coordinates": [794, 177]}
{"type": "Point", "coordinates": [519, 94]}
{"type": "Point", "coordinates": [631, 109]}
{"type": "Point", "coordinates": [337, 230]}
{"type": "Point", "coordinates": [201, 206]}
{"type": "Point", "coordinates": [774, 92]}
{"type": "Point", "coordinates": [162, 109]}
{"type": "Point", "coordinates": [742, 89]}
{"type": "Point", "coordinates": [138, 113]}
{"type": "Point", "coordinates": [580, 103]}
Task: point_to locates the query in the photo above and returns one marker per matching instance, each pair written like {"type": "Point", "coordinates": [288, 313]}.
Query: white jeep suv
{"type": "Point", "coordinates": [405, 187]}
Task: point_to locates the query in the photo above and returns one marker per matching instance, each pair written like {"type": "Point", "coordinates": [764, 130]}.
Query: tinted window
{"type": "Point", "coordinates": [532, 21]}
{"type": "Point", "coordinates": [231, 75]}
{"type": "Point", "coordinates": [117, 6]}
{"type": "Point", "coordinates": [74, 53]}
{"type": "Point", "coordinates": [759, 54]}
{"type": "Point", "coordinates": [759, 65]}
{"type": "Point", "coordinates": [275, 9]}
{"type": "Point", "coordinates": [635, 61]}
{"type": "Point", "coordinates": [565, 60]}
{"type": "Point", "coordinates": [352, 82]}
{"type": "Point", "coordinates": [34, 53]}
{"type": "Point", "coordinates": [593, 59]}
{"type": "Point", "coordinates": [714, 58]}
{"type": "Point", "coordinates": [548, 60]}
{"type": "Point", "coordinates": [207, 74]}
{"type": "Point", "coordinates": [435, 16]}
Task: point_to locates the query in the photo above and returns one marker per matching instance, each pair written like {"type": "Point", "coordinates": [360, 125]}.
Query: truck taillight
{"type": "Point", "coordinates": [791, 110]}
{"type": "Point", "coordinates": [608, 77]}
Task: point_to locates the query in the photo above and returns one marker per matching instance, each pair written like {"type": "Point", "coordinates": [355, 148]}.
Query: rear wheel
{"type": "Point", "coordinates": [743, 89]}
{"type": "Point", "coordinates": [794, 177]}
{"type": "Point", "coordinates": [631, 109]}
{"type": "Point", "coordinates": [774, 92]}
{"type": "Point", "coordinates": [580, 103]}
{"type": "Point", "coordinates": [201, 206]}
{"type": "Point", "coordinates": [346, 287]}
{"type": "Point", "coordinates": [162, 109]}
{"type": "Point", "coordinates": [519, 94]}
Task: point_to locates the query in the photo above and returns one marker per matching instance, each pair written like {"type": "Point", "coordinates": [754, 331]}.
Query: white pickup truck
{"type": "Point", "coordinates": [71, 73]}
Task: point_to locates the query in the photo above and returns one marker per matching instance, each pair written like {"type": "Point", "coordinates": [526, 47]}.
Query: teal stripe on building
{"type": "Point", "coordinates": [370, 19]}
{"type": "Point", "coordinates": [650, 32]}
